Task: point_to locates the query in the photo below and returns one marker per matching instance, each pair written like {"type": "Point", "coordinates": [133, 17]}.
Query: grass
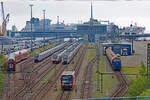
{"type": "Point", "coordinates": [91, 46]}
{"type": "Point", "coordinates": [146, 93]}
{"type": "Point", "coordinates": [91, 54]}
{"type": "Point", "coordinates": [131, 69]}
{"type": "Point", "coordinates": [2, 75]}
{"type": "Point", "coordinates": [40, 49]}
{"type": "Point", "coordinates": [108, 81]}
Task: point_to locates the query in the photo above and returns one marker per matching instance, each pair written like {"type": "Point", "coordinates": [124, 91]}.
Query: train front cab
{"type": "Point", "coordinates": [116, 63]}
{"type": "Point", "coordinates": [36, 56]}
{"type": "Point", "coordinates": [67, 82]}
{"type": "Point", "coordinates": [11, 65]}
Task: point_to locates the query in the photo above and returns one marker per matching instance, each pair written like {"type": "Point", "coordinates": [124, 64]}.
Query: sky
{"type": "Point", "coordinates": [121, 12]}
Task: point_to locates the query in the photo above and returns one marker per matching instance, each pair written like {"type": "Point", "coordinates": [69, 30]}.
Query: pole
{"type": "Point", "coordinates": [55, 80]}
{"type": "Point", "coordinates": [132, 45]}
{"type": "Point", "coordinates": [148, 65]}
{"type": "Point", "coordinates": [2, 48]}
{"type": "Point", "coordinates": [97, 51]}
{"type": "Point", "coordinates": [101, 82]}
{"type": "Point", "coordinates": [44, 26]}
{"type": "Point", "coordinates": [31, 5]}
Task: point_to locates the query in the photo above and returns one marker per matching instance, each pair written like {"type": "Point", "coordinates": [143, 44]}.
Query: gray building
{"type": "Point", "coordinates": [37, 25]}
{"type": "Point", "coordinates": [91, 28]}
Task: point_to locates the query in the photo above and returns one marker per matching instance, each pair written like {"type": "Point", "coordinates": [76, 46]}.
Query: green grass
{"type": "Point", "coordinates": [131, 69]}
{"type": "Point", "coordinates": [146, 93]}
{"type": "Point", "coordinates": [91, 46]}
{"type": "Point", "coordinates": [2, 75]}
{"type": "Point", "coordinates": [40, 49]}
{"type": "Point", "coordinates": [108, 81]}
{"type": "Point", "coordinates": [2, 80]}
{"type": "Point", "coordinates": [91, 54]}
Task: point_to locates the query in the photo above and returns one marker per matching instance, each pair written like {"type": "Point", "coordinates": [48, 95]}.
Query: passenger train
{"type": "Point", "coordinates": [67, 80]}
{"type": "Point", "coordinates": [16, 57]}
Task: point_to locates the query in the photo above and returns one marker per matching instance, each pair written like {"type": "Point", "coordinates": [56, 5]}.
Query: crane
{"type": "Point", "coordinates": [4, 21]}
{"type": "Point", "coordinates": [4, 24]}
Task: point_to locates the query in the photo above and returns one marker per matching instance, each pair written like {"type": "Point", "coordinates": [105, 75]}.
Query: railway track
{"type": "Point", "coordinates": [66, 95]}
{"type": "Point", "coordinates": [42, 91]}
{"type": "Point", "coordinates": [122, 87]}
{"type": "Point", "coordinates": [86, 85]}
{"type": "Point", "coordinates": [42, 69]}
{"type": "Point", "coordinates": [12, 80]}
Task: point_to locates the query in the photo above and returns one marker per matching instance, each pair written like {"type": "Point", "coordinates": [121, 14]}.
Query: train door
{"type": "Point", "coordinates": [124, 51]}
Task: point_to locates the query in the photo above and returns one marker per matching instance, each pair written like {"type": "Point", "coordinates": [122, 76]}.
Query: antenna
{"type": "Point", "coordinates": [58, 20]}
{"type": "Point", "coordinates": [91, 12]}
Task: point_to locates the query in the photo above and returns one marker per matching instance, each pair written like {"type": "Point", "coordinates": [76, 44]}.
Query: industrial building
{"type": "Point", "coordinates": [37, 25]}
{"type": "Point", "coordinates": [123, 49]}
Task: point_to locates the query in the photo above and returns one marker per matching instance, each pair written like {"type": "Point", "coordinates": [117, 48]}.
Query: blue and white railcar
{"type": "Point", "coordinates": [42, 55]}
{"type": "Point", "coordinates": [68, 56]}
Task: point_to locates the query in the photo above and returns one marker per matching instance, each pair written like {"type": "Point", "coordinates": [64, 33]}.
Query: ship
{"type": "Point", "coordinates": [132, 30]}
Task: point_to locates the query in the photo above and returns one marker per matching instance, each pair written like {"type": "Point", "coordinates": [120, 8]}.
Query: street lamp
{"type": "Point", "coordinates": [44, 26]}
{"type": "Point", "coordinates": [31, 5]}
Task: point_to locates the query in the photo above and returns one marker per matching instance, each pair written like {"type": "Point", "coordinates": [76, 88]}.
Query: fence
{"type": "Point", "coordinates": [120, 98]}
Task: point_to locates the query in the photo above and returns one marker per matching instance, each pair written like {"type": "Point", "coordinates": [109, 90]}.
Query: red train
{"type": "Point", "coordinates": [16, 57]}
{"type": "Point", "coordinates": [67, 80]}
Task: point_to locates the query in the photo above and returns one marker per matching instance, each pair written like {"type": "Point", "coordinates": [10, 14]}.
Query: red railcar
{"type": "Point", "coordinates": [16, 57]}
{"type": "Point", "coordinates": [67, 80]}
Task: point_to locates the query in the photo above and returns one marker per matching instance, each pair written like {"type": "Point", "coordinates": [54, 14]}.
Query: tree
{"type": "Point", "coordinates": [140, 84]}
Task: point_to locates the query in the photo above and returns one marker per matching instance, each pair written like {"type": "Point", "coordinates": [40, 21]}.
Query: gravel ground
{"type": "Point", "coordinates": [140, 48]}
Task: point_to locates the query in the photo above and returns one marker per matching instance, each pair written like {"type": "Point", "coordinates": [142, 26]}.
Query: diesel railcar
{"type": "Point", "coordinates": [114, 59]}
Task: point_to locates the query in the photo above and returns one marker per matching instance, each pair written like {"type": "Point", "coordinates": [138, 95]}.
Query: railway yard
{"type": "Point", "coordinates": [71, 70]}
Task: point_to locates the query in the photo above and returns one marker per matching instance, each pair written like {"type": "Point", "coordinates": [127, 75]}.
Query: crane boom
{"type": "Point", "coordinates": [4, 24]}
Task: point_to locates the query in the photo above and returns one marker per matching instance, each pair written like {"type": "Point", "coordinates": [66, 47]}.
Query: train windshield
{"type": "Point", "coordinates": [67, 78]}
{"type": "Point", "coordinates": [11, 65]}
{"type": "Point", "coordinates": [65, 57]}
{"type": "Point", "coordinates": [54, 56]}
{"type": "Point", "coordinates": [36, 55]}
{"type": "Point", "coordinates": [117, 59]}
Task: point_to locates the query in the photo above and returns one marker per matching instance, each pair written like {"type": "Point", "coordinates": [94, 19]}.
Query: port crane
{"type": "Point", "coordinates": [3, 35]}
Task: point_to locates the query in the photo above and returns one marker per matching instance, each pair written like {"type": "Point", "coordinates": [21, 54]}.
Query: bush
{"type": "Point", "coordinates": [2, 61]}
{"type": "Point", "coordinates": [137, 86]}
{"type": "Point", "coordinates": [2, 75]}
{"type": "Point", "coordinates": [140, 84]}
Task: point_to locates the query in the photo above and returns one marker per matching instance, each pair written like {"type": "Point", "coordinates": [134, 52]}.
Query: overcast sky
{"type": "Point", "coordinates": [121, 12]}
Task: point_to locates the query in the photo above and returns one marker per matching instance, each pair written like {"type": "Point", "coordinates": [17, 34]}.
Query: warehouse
{"type": "Point", "coordinates": [123, 49]}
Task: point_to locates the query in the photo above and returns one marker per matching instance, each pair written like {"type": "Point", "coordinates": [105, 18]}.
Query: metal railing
{"type": "Point", "coordinates": [119, 98]}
